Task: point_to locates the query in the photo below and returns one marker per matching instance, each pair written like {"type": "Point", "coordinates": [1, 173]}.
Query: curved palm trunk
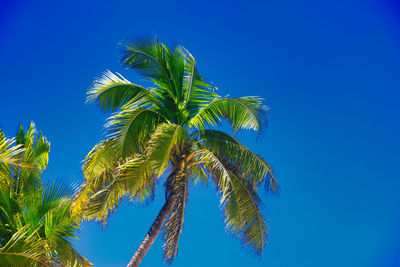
{"type": "Point", "coordinates": [153, 232]}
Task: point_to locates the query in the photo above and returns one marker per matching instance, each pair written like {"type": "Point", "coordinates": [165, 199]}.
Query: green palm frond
{"type": "Point", "coordinates": [9, 153]}
{"type": "Point", "coordinates": [167, 138]}
{"type": "Point", "coordinates": [197, 92]}
{"type": "Point", "coordinates": [9, 222]}
{"type": "Point", "coordinates": [250, 165]}
{"type": "Point", "coordinates": [69, 257]}
{"type": "Point", "coordinates": [242, 209]}
{"type": "Point", "coordinates": [35, 226]}
{"type": "Point", "coordinates": [104, 156]}
{"type": "Point", "coordinates": [198, 174]}
{"type": "Point", "coordinates": [149, 58]}
{"type": "Point", "coordinates": [34, 158]}
{"type": "Point", "coordinates": [133, 127]}
{"type": "Point", "coordinates": [189, 73]}
{"type": "Point", "coordinates": [241, 112]}
{"type": "Point", "coordinates": [41, 152]}
{"type": "Point", "coordinates": [102, 204]}
{"type": "Point", "coordinates": [240, 202]}
{"type": "Point", "coordinates": [25, 248]}
{"type": "Point", "coordinates": [112, 91]}
{"type": "Point", "coordinates": [10, 159]}
{"type": "Point", "coordinates": [98, 169]}
{"type": "Point", "coordinates": [138, 175]}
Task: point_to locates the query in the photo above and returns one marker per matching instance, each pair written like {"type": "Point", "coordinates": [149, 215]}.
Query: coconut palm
{"type": "Point", "coordinates": [168, 128]}
{"type": "Point", "coordinates": [35, 226]}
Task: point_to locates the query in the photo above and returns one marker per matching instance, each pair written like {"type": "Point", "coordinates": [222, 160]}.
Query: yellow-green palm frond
{"type": "Point", "coordinates": [197, 92]}
{"type": "Point", "coordinates": [34, 158]}
{"type": "Point", "coordinates": [242, 209]}
{"type": "Point", "coordinates": [9, 153]}
{"type": "Point", "coordinates": [10, 159]}
{"type": "Point", "coordinates": [48, 210]}
{"type": "Point", "coordinates": [165, 139]}
{"type": "Point", "coordinates": [69, 257]}
{"type": "Point", "coordinates": [241, 112]}
{"type": "Point", "coordinates": [25, 248]}
{"type": "Point", "coordinates": [138, 175]}
{"type": "Point", "coordinates": [198, 174]}
{"type": "Point", "coordinates": [241, 204]}
{"type": "Point", "coordinates": [150, 58]}
{"type": "Point", "coordinates": [251, 166]}
{"type": "Point", "coordinates": [105, 201]}
{"type": "Point", "coordinates": [99, 171]}
{"type": "Point", "coordinates": [133, 127]}
{"type": "Point", "coordinates": [140, 172]}
{"type": "Point", "coordinates": [112, 91]}
{"type": "Point", "coordinates": [36, 147]}
{"type": "Point", "coordinates": [103, 156]}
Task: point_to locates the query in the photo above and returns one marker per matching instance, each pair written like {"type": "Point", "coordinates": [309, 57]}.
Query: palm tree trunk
{"type": "Point", "coordinates": [153, 232]}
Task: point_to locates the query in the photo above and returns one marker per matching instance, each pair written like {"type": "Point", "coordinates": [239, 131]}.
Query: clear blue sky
{"type": "Point", "coordinates": [329, 70]}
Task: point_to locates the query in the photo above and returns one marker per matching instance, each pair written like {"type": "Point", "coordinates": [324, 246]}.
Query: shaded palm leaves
{"type": "Point", "coordinates": [35, 227]}
{"type": "Point", "coordinates": [167, 128]}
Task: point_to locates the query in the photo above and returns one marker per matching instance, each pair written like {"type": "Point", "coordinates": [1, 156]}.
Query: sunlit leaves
{"type": "Point", "coordinates": [166, 138]}
{"type": "Point", "coordinates": [112, 91]}
{"type": "Point", "coordinates": [242, 112]}
{"type": "Point", "coordinates": [33, 160]}
{"type": "Point", "coordinates": [251, 166]}
{"type": "Point", "coordinates": [241, 204]}
{"type": "Point", "coordinates": [133, 127]}
{"type": "Point", "coordinates": [35, 226]}
{"type": "Point", "coordinates": [25, 249]}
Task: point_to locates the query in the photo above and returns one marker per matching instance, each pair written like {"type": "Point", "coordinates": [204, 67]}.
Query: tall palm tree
{"type": "Point", "coordinates": [167, 128]}
{"type": "Point", "coordinates": [35, 226]}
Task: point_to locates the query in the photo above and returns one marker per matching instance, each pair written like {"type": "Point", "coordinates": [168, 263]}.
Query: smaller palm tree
{"type": "Point", "coordinates": [35, 226]}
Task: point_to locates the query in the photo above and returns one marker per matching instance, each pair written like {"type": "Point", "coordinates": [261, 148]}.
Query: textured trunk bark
{"type": "Point", "coordinates": [153, 232]}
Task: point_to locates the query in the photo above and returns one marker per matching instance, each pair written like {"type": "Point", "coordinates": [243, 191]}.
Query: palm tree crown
{"type": "Point", "coordinates": [35, 226]}
{"type": "Point", "coordinates": [170, 126]}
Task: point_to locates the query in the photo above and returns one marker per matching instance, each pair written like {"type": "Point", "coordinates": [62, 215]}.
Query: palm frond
{"type": "Point", "coordinates": [166, 138]}
{"type": "Point", "coordinates": [138, 175]}
{"type": "Point", "coordinates": [103, 156]}
{"type": "Point", "coordinates": [242, 206]}
{"type": "Point", "coordinates": [41, 152]}
{"type": "Point", "coordinates": [69, 257]}
{"type": "Point", "coordinates": [242, 209]}
{"type": "Point", "coordinates": [112, 91]}
{"type": "Point", "coordinates": [251, 166]}
{"type": "Point", "coordinates": [198, 174]}
{"type": "Point", "coordinates": [103, 203]}
{"type": "Point", "coordinates": [10, 159]}
{"type": "Point", "coordinates": [99, 171]}
{"type": "Point", "coordinates": [34, 159]}
{"type": "Point", "coordinates": [241, 112]}
{"type": "Point", "coordinates": [9, 153]}
{"type": "Point", "coordinates": [25, 248]}
{"type": "Point", "coordinates": [148, 57]}
{"type": "Point", "coordinates": [132, 127]}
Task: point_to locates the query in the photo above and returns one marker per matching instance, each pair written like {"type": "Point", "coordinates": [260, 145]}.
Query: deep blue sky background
{"type": "Point", "coordinates": [329, 70]}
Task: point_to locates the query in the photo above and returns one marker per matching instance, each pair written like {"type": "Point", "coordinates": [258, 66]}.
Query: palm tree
{"type": "Point", "coordinates": [35, 226]}
{"type": "Point", "coordinates": [169, 127]}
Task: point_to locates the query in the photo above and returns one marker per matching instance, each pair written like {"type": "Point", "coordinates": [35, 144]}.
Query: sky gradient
{"type": "Point", "coordinates": [329, 71]}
